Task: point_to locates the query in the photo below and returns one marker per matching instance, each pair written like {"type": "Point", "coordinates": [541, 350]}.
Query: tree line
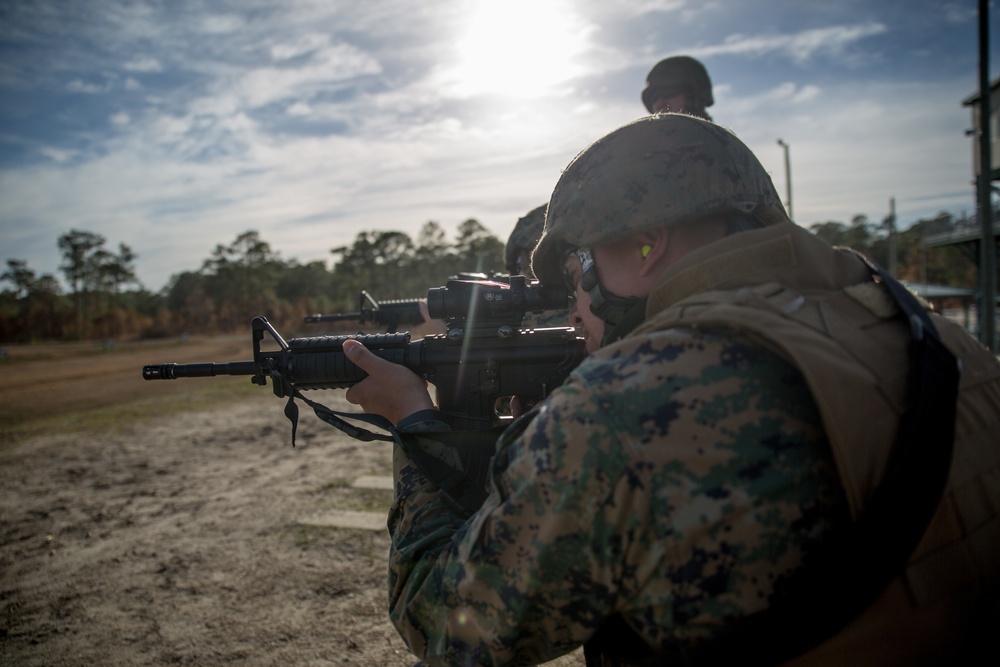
{"type": "Point", "coordinates": [248, 277]}
{"type": "Point", "coordinates": [237, 281]}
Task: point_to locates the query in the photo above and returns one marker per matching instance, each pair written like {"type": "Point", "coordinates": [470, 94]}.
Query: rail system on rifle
{"type": "Point", "coordinates": [483, 356]}
{"type": "Point", "coordinates": [388, 314]}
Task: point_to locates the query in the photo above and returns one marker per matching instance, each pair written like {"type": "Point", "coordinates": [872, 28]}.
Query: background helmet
{"type": "Point", "coordinates": [524, 238]}
{"type": "Point", "coordinates": [654, 172]}
{"type": "Point", "coordinates": [678, 74]}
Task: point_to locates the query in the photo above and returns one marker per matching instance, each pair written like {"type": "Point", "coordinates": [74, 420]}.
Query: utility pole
{"type": "Point", "coordinates": [890, 222]}
{"type": "Point", "coordinates": [987, 246]}
{"type": "Point", "coordinates": [923, 252]}
{"type": "Point", "coordinates": [788, 180]}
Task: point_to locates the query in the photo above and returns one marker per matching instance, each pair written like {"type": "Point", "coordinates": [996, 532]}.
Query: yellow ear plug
{"type": "Point", "coordinates": [645, 250]}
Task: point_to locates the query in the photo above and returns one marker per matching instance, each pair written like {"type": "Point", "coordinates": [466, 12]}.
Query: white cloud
{"type": "Point", "coordinates": [955, 12]}
{"type": "Point", "coordinates": [338, 62]}
{"type": "Point", "coordinates": [80, 86]}
{"type": "Point", "coordinates": [806, 93]}
{"type": "Point", "coordinates": [299, 109]}
{"type": "Point", "coordinates": [634, 8]}
{"type": "Point", "coordinates": [770, 99]}
{"type": "Point", "coordinates": [143, 63]}
{"type": "Point", "coordinates": [850, 158]}
{"type": "Point", "coordinates": [303, 45]}
{"type": "Point", "coordinates": [57, 155]}
{"type": "Point", "coordinates": [222, 24]}
{"type": "Point", "coordinates": [800, 47]}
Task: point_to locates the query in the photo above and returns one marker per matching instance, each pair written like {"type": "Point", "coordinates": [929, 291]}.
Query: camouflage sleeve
{"type": "Point", "coordinates": [672, 479]}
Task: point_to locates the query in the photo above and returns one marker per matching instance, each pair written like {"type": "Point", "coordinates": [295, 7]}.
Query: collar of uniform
{"type": "Point", "coordinates": [763, 251]}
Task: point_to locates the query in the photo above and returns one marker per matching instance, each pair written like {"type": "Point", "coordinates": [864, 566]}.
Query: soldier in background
{"type": "Point", "coordinates": [741, 469]}
{"type": "Point", "coordinates": [517, 257]}
{"type": "Point", "coordinates": [679, 84]}
{"type": "Point", "coordinates": [517, 253]}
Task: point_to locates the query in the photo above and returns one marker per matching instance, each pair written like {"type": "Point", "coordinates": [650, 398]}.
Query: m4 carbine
{"type": "Point", "coordinates": [483, 357]}
{"type": "Point", "coordinates": [388, 314]}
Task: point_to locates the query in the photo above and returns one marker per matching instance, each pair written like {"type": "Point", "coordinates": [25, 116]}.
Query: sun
{"type": "Point", "coordinates": [517, 48]}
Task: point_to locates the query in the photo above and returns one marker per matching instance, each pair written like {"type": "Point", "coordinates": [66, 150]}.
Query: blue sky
{"type": "Point", "coordinates": [175, 125]}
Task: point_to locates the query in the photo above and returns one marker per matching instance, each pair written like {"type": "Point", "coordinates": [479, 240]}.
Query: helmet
{"type": "Point", "coordinates": [524, 237]}
{"type": "Point", "coordinates": [681, 73]}
{"type": "Point", "coordinates": [654, 172]}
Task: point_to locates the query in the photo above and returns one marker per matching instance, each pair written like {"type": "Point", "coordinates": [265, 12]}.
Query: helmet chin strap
{"type": "Point", "coordinates": [620, 314]}
{"type": "Point", "coordinates": [630, 319]}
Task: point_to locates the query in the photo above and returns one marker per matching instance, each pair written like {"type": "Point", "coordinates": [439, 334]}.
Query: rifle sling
{"type": "Point", "coordinates": [333, 417]}
{"type": "Point", "coordinates": [859, 563]}
{"type": "Point", "coordinates": [464, 489]}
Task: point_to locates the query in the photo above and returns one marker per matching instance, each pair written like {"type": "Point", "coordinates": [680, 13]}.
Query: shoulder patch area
{"type": "Point", "coordinates": [874, 297]}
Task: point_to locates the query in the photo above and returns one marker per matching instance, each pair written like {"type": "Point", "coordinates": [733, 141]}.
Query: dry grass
{"type": "Point", "coordinates": [58, 387]}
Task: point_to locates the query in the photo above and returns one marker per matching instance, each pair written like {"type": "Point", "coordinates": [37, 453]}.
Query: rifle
{"type": "Point", "coordinates": [389, 314]}
{"type": "Point", "coordinates": [483, 357]}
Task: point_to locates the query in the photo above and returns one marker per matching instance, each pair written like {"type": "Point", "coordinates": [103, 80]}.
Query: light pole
{"type": "Point", "coordinates": [987, 247]}
{"type": "Point", "coordinates": [788, 179]}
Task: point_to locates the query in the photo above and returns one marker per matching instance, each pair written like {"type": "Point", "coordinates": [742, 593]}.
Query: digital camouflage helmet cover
{"type": "Point", "coordinates": [524, 238]}
{"type": "Point", "coordinates": [678, 74]}
{"type": "Point", "coordinates": [654, 172]}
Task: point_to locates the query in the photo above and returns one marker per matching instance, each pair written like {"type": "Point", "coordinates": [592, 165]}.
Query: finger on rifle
{"type": "Point", "coordinates": [391, 390]}
{"type": "Point", "coordinates": [359, 355]}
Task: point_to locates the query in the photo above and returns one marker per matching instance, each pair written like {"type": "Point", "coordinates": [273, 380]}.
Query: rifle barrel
{"type": "Point", "coordinates": [334, 317]}
{"type": "Point", "coordinates": [208, 369]}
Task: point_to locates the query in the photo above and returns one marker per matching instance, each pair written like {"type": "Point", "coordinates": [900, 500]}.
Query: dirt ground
{"type": "Point", "coordinates": [195, 536]}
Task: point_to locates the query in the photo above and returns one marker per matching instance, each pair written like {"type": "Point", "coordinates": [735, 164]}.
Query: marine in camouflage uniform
{"type": "Point", "coordinates": [684, 472]}
{"type": "Point", "coordinates": [679, 84]}
{"type": "Point", "coordinates": [517, 258]}
{"type": "Point", "coordinates": [522, 241]}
